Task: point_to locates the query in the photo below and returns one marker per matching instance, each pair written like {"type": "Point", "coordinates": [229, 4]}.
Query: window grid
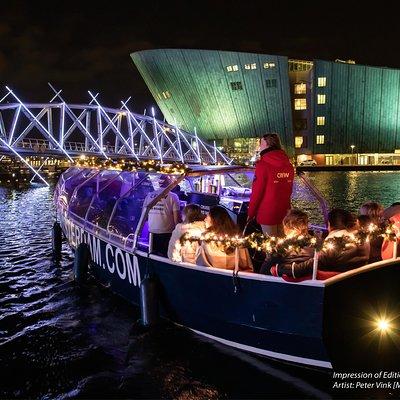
{"type": "Point", "coordinates": [321, 99]}
{"type": "Point", "coordinates": [232, 68]}
{"type": "Point", "coordinates": [300, 88]}
{"type": "Point", "coordinates": [320, 139]}
{"type": "Point", "coordinates": [320, 121]}
{"type": "Point", "coordinates": [298, 142]}
{"type": "Point", "coordinates": [268, 65]}
{"type": "Point", "coordinates": [236, 86]}
{"type": "Point", "coordinates": [270, 83]}
{"type": "Point", "coordinates": [321, 81]}
{"type": "Point", "coordinates": [300, 104]}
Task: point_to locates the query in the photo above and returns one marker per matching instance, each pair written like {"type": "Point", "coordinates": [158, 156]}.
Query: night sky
{"type": "Point", "coordinates": [86, 45]}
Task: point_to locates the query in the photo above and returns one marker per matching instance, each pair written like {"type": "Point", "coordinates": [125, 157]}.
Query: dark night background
{"type": "Point", "coordinates": [86, 45]}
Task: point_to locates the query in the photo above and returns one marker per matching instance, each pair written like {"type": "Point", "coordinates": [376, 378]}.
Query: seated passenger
{"type": "Point", "coordinates": [392, 215]}
{"type": "Point", "coordinates": [340, 223]}
{"type": "Point", "coordinates": [373, 210]}
{"type": "Point", "coordinates": [372, 213]}
{"type": "Point", "coordinates": [212, 254]}
{"type": "Point", "coordinates": [163, 216]}
{"type": "Point", "coordinates": [295, 223]}
{"type": "Point", "coordinates": [193, 224]}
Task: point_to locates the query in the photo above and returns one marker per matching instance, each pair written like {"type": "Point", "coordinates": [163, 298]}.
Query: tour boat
{"type": "Point", "coordinates": [346, 318]}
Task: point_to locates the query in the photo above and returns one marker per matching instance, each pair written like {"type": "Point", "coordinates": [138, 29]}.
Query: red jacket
{"type": "Point", "coordinates": [272, 188]}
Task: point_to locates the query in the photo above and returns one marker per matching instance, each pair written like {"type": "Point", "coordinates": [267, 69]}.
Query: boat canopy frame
{"type": "Point", "coordinates": [131, 239]}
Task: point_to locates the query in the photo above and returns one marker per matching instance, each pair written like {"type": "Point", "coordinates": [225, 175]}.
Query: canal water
{"type": "Point", "coordinates": [58, 341]}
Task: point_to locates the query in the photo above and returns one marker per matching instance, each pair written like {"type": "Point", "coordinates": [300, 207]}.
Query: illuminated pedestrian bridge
{"type": "Point", "coordinates": [68, 131]}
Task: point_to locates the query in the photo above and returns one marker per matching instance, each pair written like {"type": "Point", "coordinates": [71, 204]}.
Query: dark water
{"type": "Point", "coordinates": [61, 341]}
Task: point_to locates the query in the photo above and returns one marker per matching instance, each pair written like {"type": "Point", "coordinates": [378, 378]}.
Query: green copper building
{"type": "Point", "coordinates": [224, 95]}
{"type": "Point", "coordinates": [334, 112]}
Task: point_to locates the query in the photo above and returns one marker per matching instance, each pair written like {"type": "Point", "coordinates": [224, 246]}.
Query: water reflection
{"type": "Point", "coordinates": [351, 189]}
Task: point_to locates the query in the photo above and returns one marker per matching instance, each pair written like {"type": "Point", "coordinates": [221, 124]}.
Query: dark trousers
{"type": "Point", "coordinates": [160, 243]}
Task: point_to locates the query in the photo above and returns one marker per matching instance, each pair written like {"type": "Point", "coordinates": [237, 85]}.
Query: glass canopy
{"type": "Point", "coordinates": [111, 201]}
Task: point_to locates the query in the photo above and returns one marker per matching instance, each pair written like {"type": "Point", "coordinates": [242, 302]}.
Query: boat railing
{"type": "Point", "coordinates": [126, 240]}
{"type": "Point", "coordinates": [97, 230]}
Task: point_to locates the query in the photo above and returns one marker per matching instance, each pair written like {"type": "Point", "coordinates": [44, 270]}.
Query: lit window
{"type": "Point", "coordinates": [247, 66]}
{"type": "Point", "coordinates": [300, 88]}
{"type": "Point", "coordinates": [300, 104]}
{"type": "Point", "coordinates": [320, 120]}
{"type": "Point", "coordinates": [269, 65]}
{"type": "Point", "coordinates": [298, 142]}
{"type": "Point", "coordinates": [236, 86]}
{"type": "Point", "coordinates": [320, 139]}
{"type": "Point", "coordinates": [231, 68]}
{"type": "Point", "coordinates": [159, 96]}
{"type": "Point", "coordinates": [269, 83]}
{"type": "Point", "coordinates": [322, 81]}
{"type": "Point", "coordinates": [253, 66]}
{"type": "Point", "coordinates": [166, 94]}
{"type": "Point", "coordinates": [321, 98]}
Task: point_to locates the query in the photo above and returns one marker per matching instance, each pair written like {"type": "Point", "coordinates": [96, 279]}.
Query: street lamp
{"type": "Point", "coordinates": [352, 152]}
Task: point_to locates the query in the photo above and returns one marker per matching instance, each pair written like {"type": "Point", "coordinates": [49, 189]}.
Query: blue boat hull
{"type": "Point", "coordinates": [268, 317]}
{"type": "Point", "coordinates": [310, 323]}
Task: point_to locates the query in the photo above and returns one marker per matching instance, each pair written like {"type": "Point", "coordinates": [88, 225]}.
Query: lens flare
{"type": "Point", "coordinates": [383, 325]}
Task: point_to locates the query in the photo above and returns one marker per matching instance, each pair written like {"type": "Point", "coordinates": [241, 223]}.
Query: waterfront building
{"type": "Point", "coordinates": [334, 112]}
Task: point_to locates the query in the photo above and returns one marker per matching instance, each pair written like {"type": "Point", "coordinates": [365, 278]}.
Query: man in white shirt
{"type": "Point", "coordinates": [163, 216]}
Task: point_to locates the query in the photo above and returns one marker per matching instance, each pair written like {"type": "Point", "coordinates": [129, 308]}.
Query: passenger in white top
{"type": "Point", "coordinates": [163, 216]}
{"type": "Point", "coordinates": [193, 223]}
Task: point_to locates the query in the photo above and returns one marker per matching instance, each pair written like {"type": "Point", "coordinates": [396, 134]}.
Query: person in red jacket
{"type": "Point", "coordinates": [272, 186]}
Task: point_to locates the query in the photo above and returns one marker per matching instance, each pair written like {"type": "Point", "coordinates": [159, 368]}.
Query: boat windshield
{"type": "Point", "coordinates": [108, 201]}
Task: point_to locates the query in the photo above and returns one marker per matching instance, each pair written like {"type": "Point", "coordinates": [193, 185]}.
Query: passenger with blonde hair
{"type": "Point", "coordinates": [295, 224]}
{"type": "Point", "coordinates": [193, 224]}
{"type": "Point", "coordinates": [212, 254]}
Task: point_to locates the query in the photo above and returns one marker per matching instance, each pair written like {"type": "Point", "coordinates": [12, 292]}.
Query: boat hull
{"type": "Point", "coordinates": [260, 314]}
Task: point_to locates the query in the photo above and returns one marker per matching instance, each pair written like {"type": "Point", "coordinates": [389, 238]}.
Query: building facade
{"type": "Point", "coordinates": [334, 112]}
{"type": "Point", "coordinates": [226, 96]}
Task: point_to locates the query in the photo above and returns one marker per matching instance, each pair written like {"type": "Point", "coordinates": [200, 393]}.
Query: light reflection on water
{"type": "Point", "coordinates": [347, 190]}
{"type": "Point", "coordinates": [351, 189]}
{"type": "Point", "coordinates": [69, 342]}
